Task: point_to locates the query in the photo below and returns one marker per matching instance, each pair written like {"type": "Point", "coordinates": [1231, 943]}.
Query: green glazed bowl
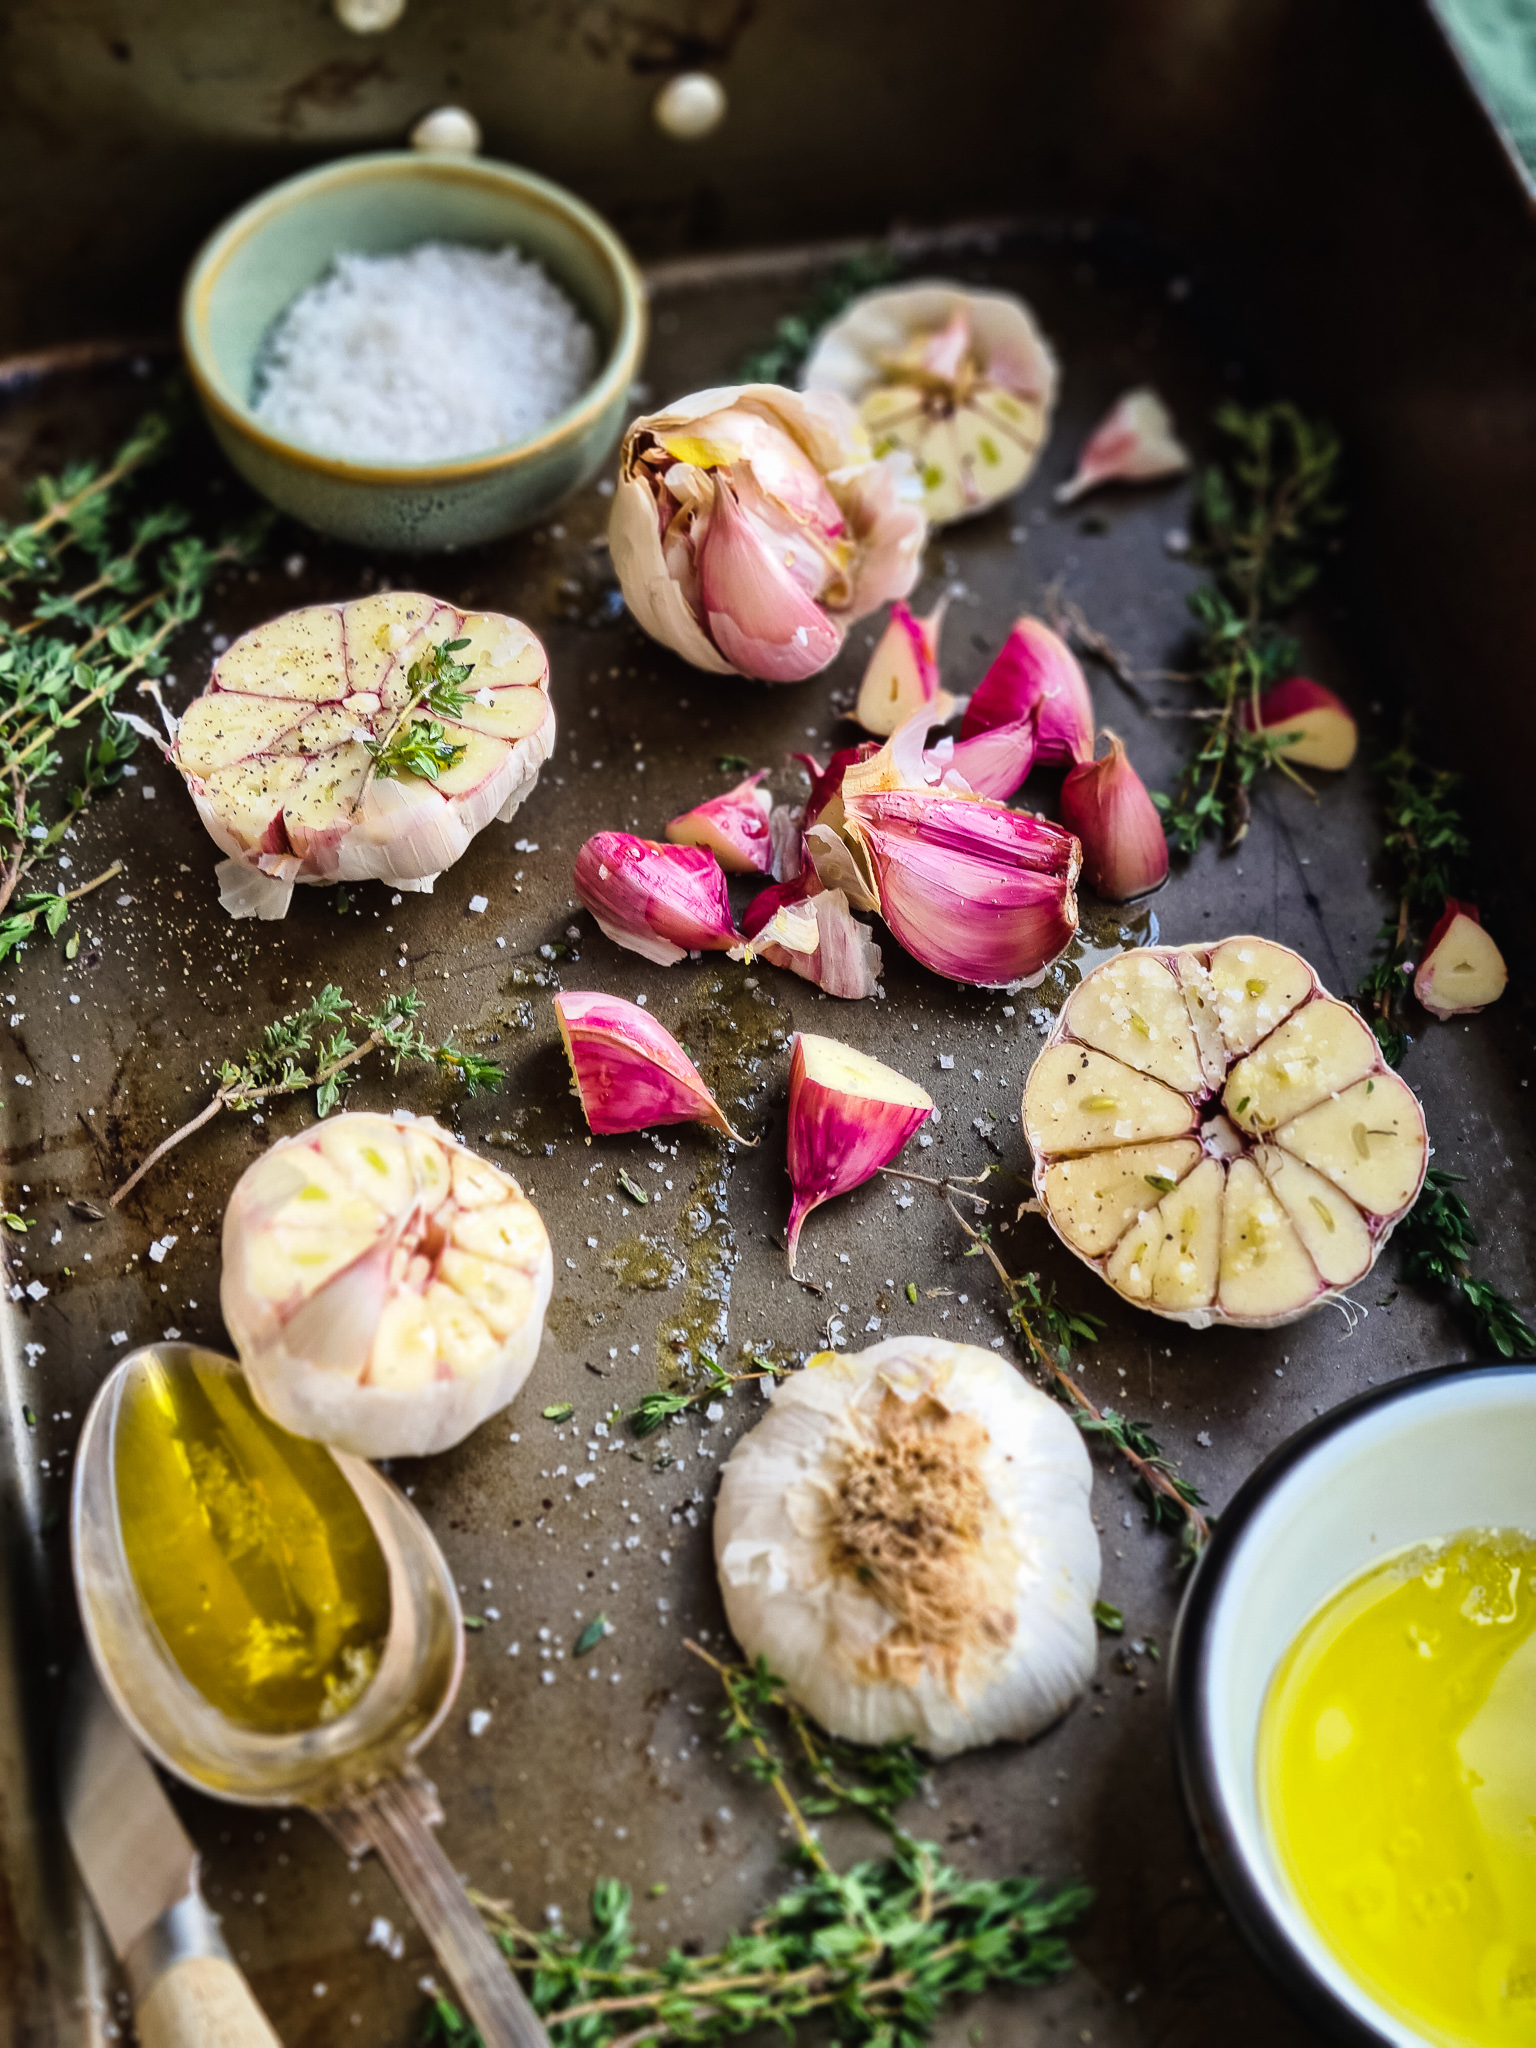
{"type": "Point", "coordinates": [281, 243]}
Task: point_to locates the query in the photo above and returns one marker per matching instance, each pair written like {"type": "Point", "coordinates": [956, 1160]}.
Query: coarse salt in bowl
{"type": "Point", "coordinates": [498, 245]}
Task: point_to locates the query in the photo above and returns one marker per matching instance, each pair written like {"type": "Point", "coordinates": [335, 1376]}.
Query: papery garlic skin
{"type": "Point", "coordinates": [384, 1287]}
{"type": "Point", "coordinates": [1133, 444]}
{"type": "Point", "coordinates": [629, 1072]}
{"type": "Point", "coordinates": [901, 677]}
{"type": "Point", "coordinates": [906, 1538]}
{"type": "Point", "coordinates": [849, 1115]}
{"type": "Point", "coordinates": [734, 827]}
{"type": "Point", "coordinates": [1307, 723]}
{"type": "Point", "coordinates": [751, 527]}
{"type": "Point", "coordinates": [662, 902]}
{"type": "Point", "coordinates": [962, 380]}
{"type": "Point", "coordinates": [844, 961]}
{"type": "Point", "coordinates": [1218, 1137]}
{"type": "Point", "coordinates": [1105, 802]}
{"type": "Point", "coordinates": [273, 751]}
{"type": "Point", "coordinates": [1035, 674]}
{"type": "Point", "coordinates": [1461, 970]}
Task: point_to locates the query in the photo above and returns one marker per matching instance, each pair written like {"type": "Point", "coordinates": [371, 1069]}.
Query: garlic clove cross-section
{"type": "Point", "coordinates": [1218, 1137]}
{"type": "Point", "coordinates": [384, 1287]}
{"type": "Point", "coordinates": [275, 751]}
{"type": "Point", "coordinates": [906, 1539]}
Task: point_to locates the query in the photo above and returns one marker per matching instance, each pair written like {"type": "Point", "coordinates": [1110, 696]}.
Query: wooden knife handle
{"type": "Point", "coordinates": [203, 2002]}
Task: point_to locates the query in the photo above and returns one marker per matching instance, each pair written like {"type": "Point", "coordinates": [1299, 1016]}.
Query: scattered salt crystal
{"type": "Point", "coordinates": [148, 792]}
{"type": "Point", "coordinates": [715, 1412]}
{"type": "Point", "coordinates": [946, 1060]}
{"type": "Point", "coordinates": [160, 1247]}
{"type": "Point", "coordinates": [479, 1721]}
{"type": "Point", "coordinates": [36, 1289]}
{"type": "Point", "coordinates": [1204, 1439]}
{"type": "Point", "coordinates": [479, 903]}
{"type": "Point", "coordinates": [118, 1337]}
{"type": "Point", "coordinates": [171, 1335]}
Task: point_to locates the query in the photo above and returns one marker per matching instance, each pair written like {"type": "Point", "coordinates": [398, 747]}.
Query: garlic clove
{"type": "Point", "coordinates": [1308, 723]}
{"type": "Point", "coordinates": [827, 783]}
{"type": "Point", "coordinates": [844, 960]}
{"type": "Point", "coordinates": [1105, 802]}
{"type": "Point", "coordinates": [1134, 1009]}
{"type": "Point", "coordinates": [1134, 443]}
{"type": "Point", "coordinates": [1171, 1256]}
{"type": "Point", "coordinates": [1462, 970]}
{"type": "Point", "coordinates": [1096, 1198]}
{"type": "Point", "coordinates": [758, 615]}
{"type": "Point", "coordinates": [1035, 673]}
{"type": "Point", "coordinates": [1326, 1220]}
{"type": "Point", "coordinates": [849, 1115]}
{"type": "Point", "coordinates": [629, 1071]}
{"type": "Point", "coordinates": [385, 1288]}
{"type": "Point", "coordinates": [1079, 1100]}
{"type": "Point", "coordinates": [1319, 1050]}
{"type": "Point", "coordinates": [996, 762]}
{"type": "Point", "coordinates": [734, 827]}
{"type": "Point", "coordinates": [1257, 985]}
{"type": "Point", "coordinates": [902, 676]}
{"type": "Point", "coordinates": [1367, 1139]}
{"type": "Point", "coordinates": [656, 900]}
{"type": "Point", "coordinates": [1266, 1270]}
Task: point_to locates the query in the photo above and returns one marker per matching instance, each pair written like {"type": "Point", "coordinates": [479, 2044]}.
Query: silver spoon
{"type": "Point", "coordinates": [356, 1771]}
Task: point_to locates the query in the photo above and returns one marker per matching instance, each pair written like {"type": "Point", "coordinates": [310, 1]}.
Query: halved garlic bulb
{"type": "Point", "coordinates": [275, 750]}
{"type": "Point", "coordinates": [385, 1288]}
{"type": "Point", "coordinates": [1218, 1137]}
{"type": "Point", "coordinates": [906, 1538]}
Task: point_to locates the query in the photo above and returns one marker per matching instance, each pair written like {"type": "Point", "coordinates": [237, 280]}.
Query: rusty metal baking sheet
{"type": "Point", "coordinates": [608, 1765]}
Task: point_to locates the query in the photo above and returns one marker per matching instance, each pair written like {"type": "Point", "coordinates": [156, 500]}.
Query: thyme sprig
{"type": "Point", "coordinates": [1263, 515]}
{"type": "Point", "coordinates": [313, 1048]}
{"type": "Point", "coordinates": [419, 746]}
{"type": "Point", "coordinates": [94, 587]}
{"type": "Point", "coordinates": [1424, 847]}
{"type": "Point", "coordinates": [874, 1952]}
{"type": "Point", "coordinates": [1438, 1241]}
{"type": "Point", "coordinates": [793, 333]}
{"type": "Point", "coordinates": [654, 1410]}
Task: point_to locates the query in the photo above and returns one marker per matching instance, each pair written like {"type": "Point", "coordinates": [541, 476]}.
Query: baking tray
{"type": "Point", "coordinates": [612, 1769]}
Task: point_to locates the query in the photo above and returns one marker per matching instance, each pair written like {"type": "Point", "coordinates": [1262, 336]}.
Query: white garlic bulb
{"type": "Point", "coordinates": [384, 1287]}
{"type": "Point", "coordinates": [906, 1538]}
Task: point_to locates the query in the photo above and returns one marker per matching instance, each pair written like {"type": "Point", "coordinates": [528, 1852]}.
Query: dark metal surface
{"type": "Point", "coordinates": [611, 1768]}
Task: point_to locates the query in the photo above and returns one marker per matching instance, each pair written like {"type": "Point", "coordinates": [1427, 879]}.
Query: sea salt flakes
{"type": "Point", "coordinates": [440, 351]}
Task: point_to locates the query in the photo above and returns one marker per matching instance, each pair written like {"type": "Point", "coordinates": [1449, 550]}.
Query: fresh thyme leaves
{"type": "Point", "coordinates": [1263, 515]}
{"type": "Point", "coordinates": [419, 746]}
{"type": "Point", "coordinates": [1424, 847]}
{"type": "Point", "coordinates": [313, 1048]}
{"type": "Point", "coordinates": [94, 587]}
{"type": "Point", "coordinates": [633, 1189]}
{"type": "Point", "coordinates": [654, 1410]}
{"type": "Point", "coordinates": [1438, 1240]}
{"type": "Point", "coordinates": [591, 1635]}
{"type": "Point", "coordinates": [793, 333]}
{"type": "Point", "coordinates": [874, 1952]}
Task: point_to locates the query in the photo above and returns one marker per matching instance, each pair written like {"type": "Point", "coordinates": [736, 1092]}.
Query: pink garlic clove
{"type": "Point", "coordinates": [1462, 970]}
{"type": "Point", "coordinates": [660, 901]}
{"type": "Point", "coordinates": [845, 962]}
{"type": "Point", "coordinates": [759, 616]}
{"type": "Point", "coordinates": [629, 1071]}
{"type": "Point", "coordinates": [1134, 443]}
{"type": "Point", "coordinates": [734, 827]}
{"type": "Point", "coordinates": [996, 762]}
{"type": "Point", "coordinates": [971, 889]}
{"type": "Point", "coordinates": [849, 1115]}
{"type": "Point", "coordinates": [1105, 803]}
{"type": "Point", "coordinates": [902, 676]}
{"type": "Point", "coordinates": [1307, 723]}
{"type": "Point", "coordinates": [1035, 672]}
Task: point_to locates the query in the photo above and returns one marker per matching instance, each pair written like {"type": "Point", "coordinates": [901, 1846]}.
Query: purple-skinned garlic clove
{"type": "Point", "coordinates": [629, 1071]}
{"type": "Point", "coordinates": [660, 901]}
{"type": "Point", "coordinates": [1105, 802]}
{"type": "Point", "coordinates": [1036, 674]}
{"type": "Point", "coordinates": [849, 1115]}
{"type": "Point", "coordinates": [734, 827]}
{"type": "Point", "coordinates": [1133, 444]}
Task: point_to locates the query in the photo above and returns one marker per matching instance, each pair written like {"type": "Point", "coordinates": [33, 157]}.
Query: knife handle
{"type": "Point", "coordinates": [203, 2002]}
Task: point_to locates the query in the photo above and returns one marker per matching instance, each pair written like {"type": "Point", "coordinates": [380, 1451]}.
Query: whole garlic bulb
{"type": "Point", "coordinates": [906, 1538]}
{"type": "Point", "coordinates": [384, 1287]}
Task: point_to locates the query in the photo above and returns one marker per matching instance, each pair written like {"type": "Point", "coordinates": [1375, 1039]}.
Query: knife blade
{"type": "Point", "coordinates": [141, 1870]}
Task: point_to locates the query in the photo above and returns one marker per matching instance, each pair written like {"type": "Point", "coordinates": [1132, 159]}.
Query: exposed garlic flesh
{"type": "Point", "coordinates": [1461, 970]}
{"type": "Point", "coordinates": [1305, 722]}
{"type": "Point", "coordinates": [629, 1072]}
{"type": "Point", "coordinates": [849, 1115]}
{"type": "Point", "coordinates": [1133, 444]}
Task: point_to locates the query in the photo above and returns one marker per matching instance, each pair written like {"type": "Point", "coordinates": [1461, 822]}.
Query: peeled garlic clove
{"type": "Point", "coordinates": [961, 381]}
{"type": "Point", "coordinates": [629, 1071]}
{"type": "Point", "coordinates": [734, 827]}
{"type": "Point", "coordinates": [902, 676]}
{"type": "Point", "coordinates": [662, 902]}
{"type": "Point", "coordinates": [973, 890]}
{"type": "Point", "coordinates": [1105, 803]}
{"type": "Point", "coordinates": [1218, 1138]}
{"type": "Point", "coordinates": [1134, 443]}
{"type": "Point", "coordinates": [849, 1115]}
{"type": "Point", "coordinates": [274, 751]}
{"type": "Point", "coordinates": [844, 959]}
{"type": "Point", "coordinates": [1462, 970]}
{"type": "Point", "coordinates": [1036, 674]}
{"type": "Point", "coordinates": [906, 1539]}
{"type": "Point", "coordinates": [385, 1288]}
{"type": "Point", "coordinates": [1307, 722]}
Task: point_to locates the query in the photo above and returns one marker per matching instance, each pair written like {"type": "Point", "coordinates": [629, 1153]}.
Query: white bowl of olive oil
{"type": "Point", "coordinates": [1354, 1679]}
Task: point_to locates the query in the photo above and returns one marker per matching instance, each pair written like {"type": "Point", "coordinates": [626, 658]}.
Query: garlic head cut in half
{"type": "Point", "coordinates": [906, 1538]}
{"type": "Point", "coordinates": [1218, 1137]}
{"type": "Point", "coordinates": [276, 751]}
{"type": "Point", "coordinates": [384, 1287]}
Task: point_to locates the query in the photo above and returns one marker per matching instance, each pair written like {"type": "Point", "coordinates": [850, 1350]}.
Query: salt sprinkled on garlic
{"type": "Point", "coordinates": [906, 1538]}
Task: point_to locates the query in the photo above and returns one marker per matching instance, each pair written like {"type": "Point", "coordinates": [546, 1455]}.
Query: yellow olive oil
{"type": "Point", "coordinates": [1397, 1775]}
{"type": "Point", "coordinates": [251, 1552]}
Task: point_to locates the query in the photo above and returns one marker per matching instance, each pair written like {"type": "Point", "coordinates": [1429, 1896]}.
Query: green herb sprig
{"type": "Point", "coordinates": [875, 1953]}
{"type": "Point", "coordinates": [793, 333]}
{"type": "Point", "coordinates": [1438, 1241]}
{"type": "Point", "coordinates": [313, 1048]}
{"type": "Point", "coordinates": [654, 1410]}
{"type": "Point", "coordinates": [1424, 848]}
{"type": "Point", "coordinates": [1263, 515]}
{"type": "Point", "coordinates": [419, 746]}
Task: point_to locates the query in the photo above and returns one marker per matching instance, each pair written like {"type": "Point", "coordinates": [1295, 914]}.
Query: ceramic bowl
{"type": "Point", "coordinates": [282, 242]}
{"type": "Point", "coordinates": [1419, 1459]}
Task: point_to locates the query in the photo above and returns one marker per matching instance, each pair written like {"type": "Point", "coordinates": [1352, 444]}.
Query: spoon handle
{"type": "Point", "coordinates": [392, 1817]}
